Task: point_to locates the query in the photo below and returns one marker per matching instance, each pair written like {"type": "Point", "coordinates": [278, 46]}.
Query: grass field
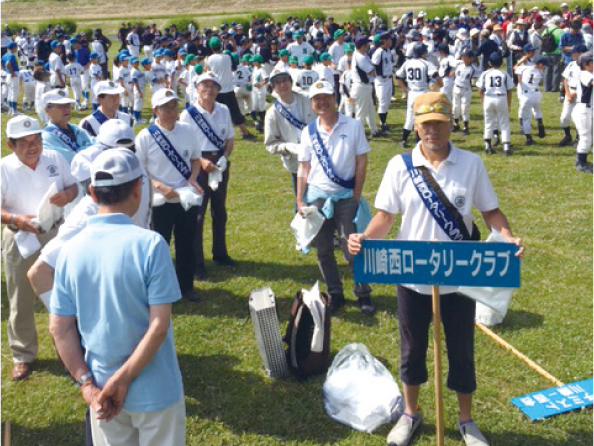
{"type": "Point", "coordinates": [230, 401]}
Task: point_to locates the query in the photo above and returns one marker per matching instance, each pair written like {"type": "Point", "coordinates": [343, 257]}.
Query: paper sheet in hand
{"type": "Point", "coordinates": [306, 229]}
{"type": "Point", "coordinates": [48, 213]}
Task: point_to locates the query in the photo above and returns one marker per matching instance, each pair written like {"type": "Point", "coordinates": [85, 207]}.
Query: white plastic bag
{"type": "Point", "coordinates": [306, 229]}
{"type": "Point", "coordinates": [359, 391]}
{"type": "Point", "coordinates": [188, 197]}
{"type": "Point", "coordinates": [48, 213]}
{"type": "Point", "coordinates": [491, 303]}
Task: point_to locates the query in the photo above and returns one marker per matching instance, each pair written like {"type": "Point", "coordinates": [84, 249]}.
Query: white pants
{"type": "Point", "coordinates": [134, 50]}
{"type": "Point", "coordinates": [383, 91]}
{"type": "Point", "coordinates": [85, 79]}
{"type": "Point", "coordinates": [529, 104]}
{"type": "Point", "coordinates": [127, 101]}
{"type": "Point", "coordinates": [76, 87]}
{"type": "Point", "coordinates": [138, 102]}
{"type": "Point", "coordinates": [565, 117]}
{"type": "Point", "coordinates": [410, 98]}
{"type": "Point", "coordinates": [582, 118]}
{"type": "Point", "coordinates": [166, 427]}
{"type": "Point", "coordinates": [448, 88]}
{"type": "Point", "coordinates": [259, 99]}
{"type": "Point", "coordinates": [496, 116]}
{"type": "Point", "coordinates": [461, 103]}
{"type": "Point", "coordinates": [13, 88]}
{"type": "Point", "coordinates": [28, 92]}
{"type": "Point", "coordinates": [148, 51]}
{"type": "Point", "coordinates": [346, 106]}
{"type": "Point", "coordinates": [244, 99]}
{"type": "Point", "coordinates": [364, 110]}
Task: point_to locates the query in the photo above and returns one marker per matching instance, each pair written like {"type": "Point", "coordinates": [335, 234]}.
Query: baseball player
{"type": "Point", "coordinates": [464, 73]}
{"type": "Point", "coordinates": [259, 86]}
{"type": "Point", "coordinates": [382, 60]}
{"type": "Point", "coordinates": [11, 66]}
{"type": "Point", "coordinates": [570, 75]}
{"type": "Point", "coordinates": [28, 83]}
{"type": "Point", "coordinates": [417, 73]}
{"type": "Point", "coordinates": [495, 90]}
{"type": "Point", "coordinates": [447, 68]}
{"type": "Point", "coordinates": [96, 75]}
{"type": "Point", "coordinates": [73, 72]}
{"type": "Point", "coordinates": [242, 85]}
{"type": "Point", "coordinates": [582, 113]}
{"type": "Point", "coordinates": [529, 101]}
{"type": "Point", "coordinates": [56, 67]}
{"type": "Point", "coordinates": [299, 48]}
{"type": "Point", "coordinates": [362, 72]}
{"type": "Point", "coordinates": [138, 87]}
{"type": "Point", "coordinates": [41, 86]}
{"type": "Point", "coordinates": [324, 68]}
{"type": "Point", "coordinates": [306, 76]}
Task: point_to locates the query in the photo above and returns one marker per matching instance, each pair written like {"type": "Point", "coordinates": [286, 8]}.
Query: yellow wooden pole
{"type": "Point", "coordinates": [437, 366]}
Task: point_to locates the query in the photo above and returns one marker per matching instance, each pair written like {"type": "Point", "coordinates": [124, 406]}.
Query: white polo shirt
{"type": "Point", "coordinates": [222, 66]}
{"type": "Point", "coordinates": [462, 177]}
{"type": "Point", "coordinates": [23, 188]}
{"type": "Point", "coordinates": [219, 120]}
{"type": "Point", "coordinates": [157, 164]}
{"type": "Point", "coordinates": [343, 144]}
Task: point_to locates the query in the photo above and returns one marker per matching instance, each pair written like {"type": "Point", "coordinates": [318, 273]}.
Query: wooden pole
{"type": "Point", "coordinates": [437, 366]}
{"type": "Point", "coordinates": [7, 433]}
{"type": "Point", "coordinates": [526, 359]}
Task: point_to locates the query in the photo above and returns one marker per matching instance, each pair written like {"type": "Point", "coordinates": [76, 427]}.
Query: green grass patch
{"type": "Point", "coordinates": [304, 14]}
{"type": "Point", "coordinates": [361, 13]}
{"type": "Point", "coordinates": [230, 401]}
{"type": "Point", "coordinates": [68, 25]}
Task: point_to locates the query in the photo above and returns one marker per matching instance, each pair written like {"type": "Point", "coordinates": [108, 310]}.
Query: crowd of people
{"type": "Point", "coordinates": [327, 82]}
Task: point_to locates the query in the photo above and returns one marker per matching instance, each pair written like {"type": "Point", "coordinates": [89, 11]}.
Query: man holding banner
{"type": "Point", "coordinates": [435, 188]}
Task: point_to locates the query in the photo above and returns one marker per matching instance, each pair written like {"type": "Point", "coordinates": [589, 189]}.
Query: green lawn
{"type": "Point", "coordinates": [229, 399]}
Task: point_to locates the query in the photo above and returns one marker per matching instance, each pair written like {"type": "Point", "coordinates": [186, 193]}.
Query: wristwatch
{"type": "Point", "coordinates": [80, 381]}
{"type": "Point", "coordinates": [11, 224]}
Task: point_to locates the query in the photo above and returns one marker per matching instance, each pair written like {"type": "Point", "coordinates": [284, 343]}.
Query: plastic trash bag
{"type": "Point", "coordinates": [491, 303]}
{"type": "Point", "coordinates": [306, 229]}
{"type": "Point", "coordinates": [359, 391]}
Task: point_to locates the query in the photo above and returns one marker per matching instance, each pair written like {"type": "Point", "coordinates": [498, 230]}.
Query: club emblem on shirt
{"type": "Point", "coordinates": [186, 154]}
{"type": "Point", "coordinates": [52, 170]}
{"type": "Point", "coordinates": [343, 136]}
{"type": "Point", "coordinates": [460, 202]}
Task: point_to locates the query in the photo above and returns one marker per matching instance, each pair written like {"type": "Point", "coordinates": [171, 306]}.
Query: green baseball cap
{"type": "Point", "coordinates": [325, 56]}
{"type": "Point", "coordinates": [214, 43]}
{"type": "Point", "coordinates": [282, 53]}
{"type": "Point", "coordinates": [190, 58]}
{"type": "Point", "coordinates": [257, 58]}
{"type": "Point", "coordinates": [293, 59]}
{"type": "Point", "coordinates": [198, 69]}
{"type": "Point", "coordinates": [337, 33]}
{"type": "Point", "coordinates": [246, 58]}
{"type": "Point", "coordinates": [307, 60]}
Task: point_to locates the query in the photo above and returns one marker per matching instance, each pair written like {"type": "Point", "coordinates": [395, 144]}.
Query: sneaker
{"type": "Point", "coordinates": [529, 142]}
{"type": "Point", "coordinates": [248, 137]}
{"type": "Point", "coordinates": [541, 132]}
{"type": "Point", "coordinates": [402, 143]}
{"type": "Point", "coordinates": [337, 301]}
{"type": "Point", "coordinates": [366, 305]}
{"type": "Point", "coordinates": [456, 128]}
{"type": "Point", "coordinates": [471, 434]}
{"type": "Point", "coordinates": [488, 149]}
{"type": "Point", "coordinates": [495, 139]}
{"type": "Point", "coordinates": [584, 168]}
{"type": "Point", "coordinates": [565, 141]}
{"type": "Point", "coordinates": [465, 131]}
{"type": "Point", "coordinates": [507, 149]}
{"type": "Point", "coordinates": [402, 432]}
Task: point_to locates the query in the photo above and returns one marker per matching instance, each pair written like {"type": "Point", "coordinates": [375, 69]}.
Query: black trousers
{"type": "Point", "coordinates": [230, 100]}
{"type": "Point", "coordinates": [218, 212]}
{"type": "Point", "coordinates": [457, 317]}
{"type": "Point", "coordinates": [171, 217]}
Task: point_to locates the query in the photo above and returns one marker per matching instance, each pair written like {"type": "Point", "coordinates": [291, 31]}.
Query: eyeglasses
{"type": "Point", "coordinates": [437, 108]}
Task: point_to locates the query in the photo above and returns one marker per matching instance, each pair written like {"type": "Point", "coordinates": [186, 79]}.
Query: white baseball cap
{"type": "Point", "coordinates": [107, 87]}
{"type": "Point", "coordinates": [208, 76]}
{"type": "Point", "coordinates": [116, 132]}
{"type": "Point", "coordinates": [563, 5]}
{"type": "Point", "coordinates": [121, 164]}
{"type": "Point", "coordinates": [56, 96]}
{"type": "Point", "coordinates": [163, 96]}
{"type": "Point", "coordinates": [21, 126]}
{"type": "Point", "coordinates": [320, 87]}
{"type": "Point", "coordinates": [80, 166]}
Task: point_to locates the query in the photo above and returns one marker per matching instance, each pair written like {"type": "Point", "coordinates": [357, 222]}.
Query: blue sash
{"type": "Point", "coordinates": [203, 125]}
{"type": "Point", "coordinates": [288, 115]}
{"type": "Point", "coordinates": [100, 117]}
{"type": "Point", "coordinates": [169, 151]}
{"type": "Point", "coordinates": [324, 158]}
{"type": "Point", "coordinates": [430, 199]}
{"type": "Point", "coordinates": [63, 136]}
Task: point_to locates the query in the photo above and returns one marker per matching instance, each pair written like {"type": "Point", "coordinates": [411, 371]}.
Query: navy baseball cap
{"type": "Point", "coordinates": [360, 41]}
{"type": "Point", "coordinates": [542, 60]}
{"type": "Point", "coordinates": [528, 47]}
{"type": "Point", "coordinates": [496, 59]}
{"type": "Point", "coordinates": [419, 49]}
{"type": "Point", "coordinates": [579, 49]}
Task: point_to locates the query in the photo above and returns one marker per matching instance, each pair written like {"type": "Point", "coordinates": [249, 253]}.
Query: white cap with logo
{"type": "Point", "coordinates": [120, 164]}
{"type": "Point", "coordinates": [163, 96]}
{"type": "Point", "coordinates": [208, 76]}
{"type": "Point", "coordinates": [21, 126]}
{"type": "Point", "coordinates": [116, 132]}
{"type": "Point", "coordinates": [56, 96]}
{"type": "Point", "coordinates": [107, 87]}
{"type": "Point", "coordinates": [320, 87]}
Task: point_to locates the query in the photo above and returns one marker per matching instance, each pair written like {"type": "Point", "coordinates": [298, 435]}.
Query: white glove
{"type": "Point", "coordinates": [222, 163]}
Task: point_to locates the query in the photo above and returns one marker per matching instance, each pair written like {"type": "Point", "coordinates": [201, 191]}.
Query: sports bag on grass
{"type": "Point", "coordinates": [308, 333]}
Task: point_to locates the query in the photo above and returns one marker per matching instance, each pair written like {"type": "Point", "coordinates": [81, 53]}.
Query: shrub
{"type": "Point", "coordinates": [442, 11]}
{"type": "Point", "coordinates": [302, 14]}
{"type": "Point", "coordinates": [182, 22]}
{"type": "Point", "coordinates": [15, 28]}
{"type": "Point", "coordinates": [261, 15]}
{"type": "Point", "coordinates": [360, 13]}
{"type": "Point", "coordinates": [245, 21]}
{"type": "Point", "coordinates": [88, 32]}
{"type": "Point", "coordinates": [68, 25]}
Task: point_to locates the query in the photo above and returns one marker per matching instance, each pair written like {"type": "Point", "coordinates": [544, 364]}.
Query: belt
{"type": "Point", "coordinates": [495, 95]}
{"type": "Point", "coordinates": [212, 155]}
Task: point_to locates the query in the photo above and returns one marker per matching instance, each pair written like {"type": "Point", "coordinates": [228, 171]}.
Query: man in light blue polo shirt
{"type": "Point", "coordinates": [116, 283]}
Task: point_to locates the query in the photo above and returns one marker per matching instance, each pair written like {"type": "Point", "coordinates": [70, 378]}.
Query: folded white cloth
{"type": "Point", "coordinates": [314, 302]}
{"type": "Point", "coordinates": [215, 177]}
{"type": "Point", "coordinates": [306, 228]}
{"type": "Point", "coordinates": [188, 197]}
{"type": "Point", "coordinates": [48, 213]}
{"type": "Point", "coordinates": [27, 243]}
{"type": "Point", "coordinates": [222, 163]}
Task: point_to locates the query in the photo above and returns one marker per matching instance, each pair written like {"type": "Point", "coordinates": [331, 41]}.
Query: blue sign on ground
{"type": "Point", "coordinates": [438, 263]}
{"type": "Point", "coordinates": [556, 400]}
